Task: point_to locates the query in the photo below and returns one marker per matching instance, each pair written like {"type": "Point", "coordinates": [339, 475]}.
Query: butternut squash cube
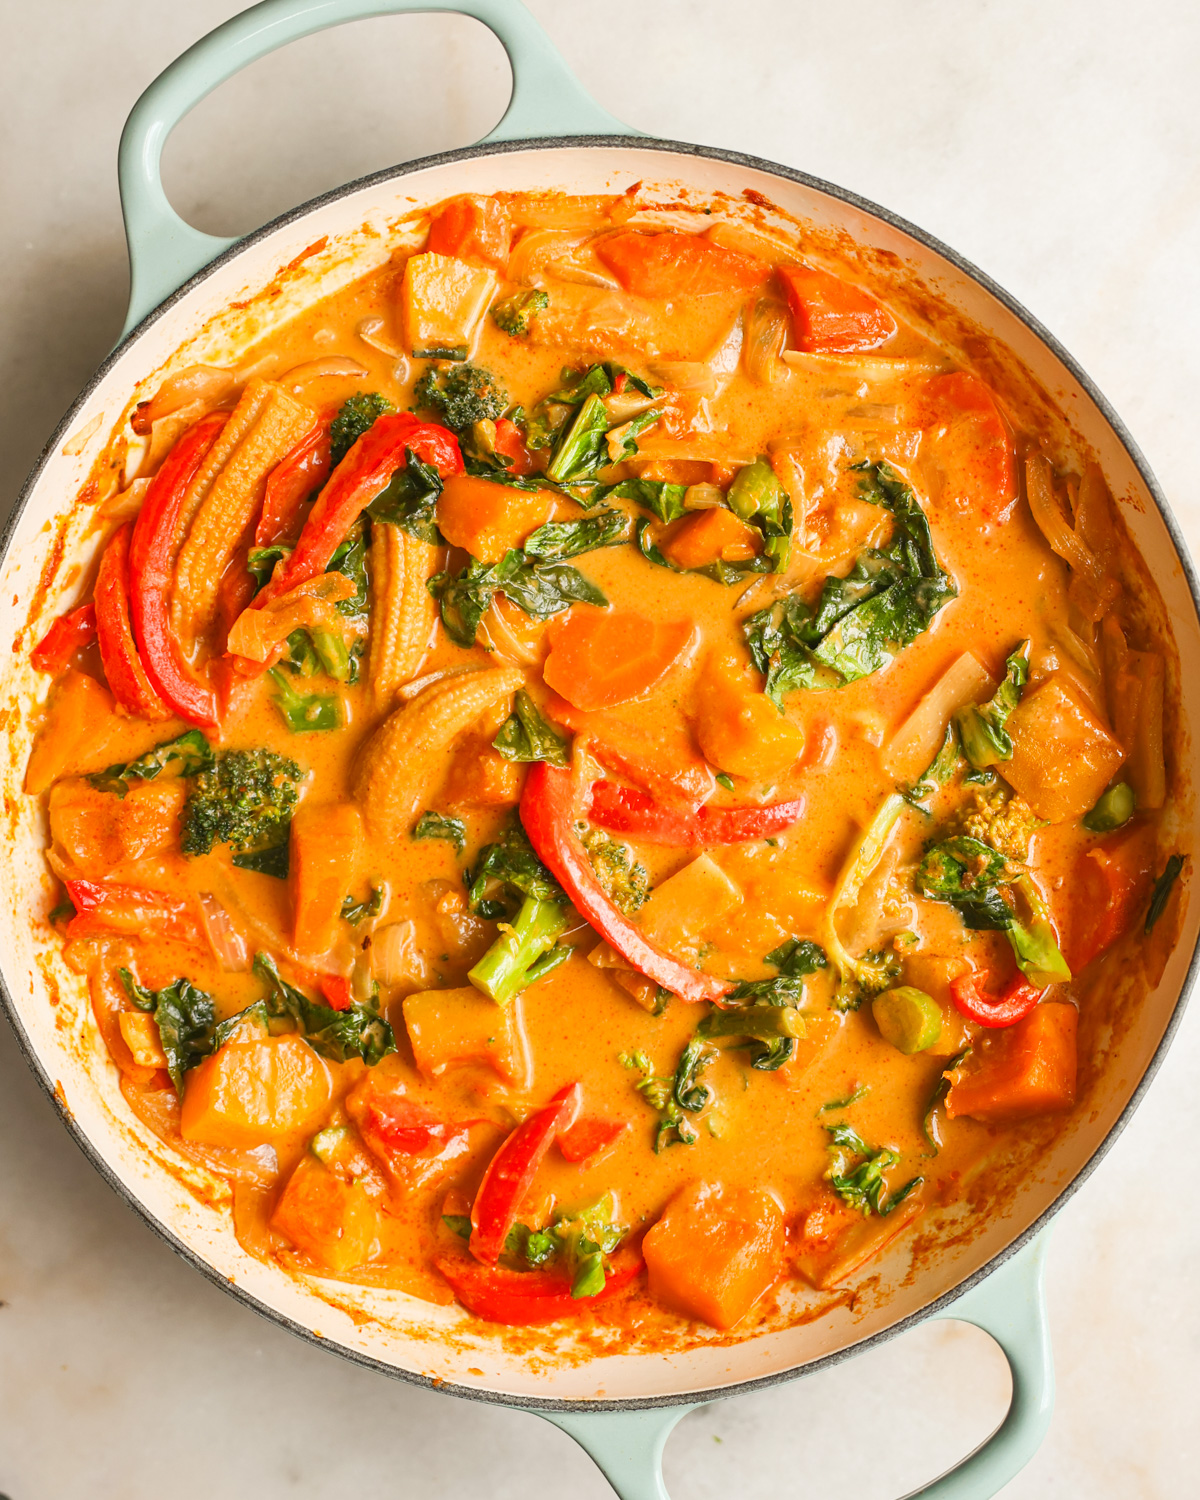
{"type": "Point", "coordinates": [1063, 756]}
{"type": "Point", "coordinates": [1027, 1069]}
{"type": "Point", "coordinates": [739, 729]}
{"type": "Point", "coordinates": [454, 1027]}
{"type": "Point", "coordinates": [326, 844]}
{"type": "Point", "coordinates": [95, 831]}
{"type": "Point", "coordinates": [689, 903]}
{"type": "Point", "coordinates": [486, 519]}
{"type": "Point", "coordinates": [714, 1252]}
{"type": "Point", "coordinates": [709, 536]}
{"type": "Point", "coordinates": [443, 301]}
{"type": "Point", "coordinates": [80, 720]}
{"type": "Point", "coordinates": [253, 1090]}
{"type": "Point", "coordinates": [330, 1221]}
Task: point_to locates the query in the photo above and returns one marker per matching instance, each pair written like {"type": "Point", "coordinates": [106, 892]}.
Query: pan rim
{"type": "Point", "coordinates": [940, 1306]}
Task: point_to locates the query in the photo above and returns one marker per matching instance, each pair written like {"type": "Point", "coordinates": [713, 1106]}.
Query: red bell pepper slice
{"type": "Point", "coordinates": [297, 474]}
{"type": "Point", "coordinates": [524, 1298]}
{"type": "Point", "coordinates": [360, 477]}
{"type": "Point", "coordinates": [103, 910]}
{"type": "Point", "coordinates": [623, 809]}
{"type": "Point", "coordinates": [1011, 1005]}
{"type": "Point", "coordinates": [512, 1169]}
{"type": "Point", "coordinates": [832, 316]}
{"type": "Point", "coordinates": [69, 632]}
{"type": "Point", "coordinates": [152, 569]}
{"type": "Point", "coordinates": [548, 812]}
{"type": "Point", "coordinates": [511, 445]}
{"type": "Point", "coordinates": [411, 1129]}
{"type": "Point", "coordinates": [587, 1138]}
{"type": "Point", "coordinates": [336, 989]}
{"type": "Point", "coordinates": [127, 678]}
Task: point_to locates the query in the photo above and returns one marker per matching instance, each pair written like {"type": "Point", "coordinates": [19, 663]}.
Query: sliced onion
{"type": "Point", "coordinates": [691, 376]}
{"type": "Point", "coordinates": [320, 369]}
{"type": "Point", "coordinates": [534, 249]}
{"type": "Point", "coordinates": [165, 433]}
{"type": "Point", "coordinates": [78, 441]}
{"type": "Point", "coordinates": [745, 241]}
{"type": "Point", "coordinates": [621, 405]}
{"type": "Point", "coordinates": [206, 383]}
{"type": "Point", "coordinates": [372, 332]}
{"type": "Point", "coordinates": [119, 505]}
{"type": "Point", "coordinates": [1039, 490]}
{"type": "Point", "coordinates": [397, 957]}
{"type": "Point", "coordinates": [703, 497]}
{"type": "Point", "coordinates": [504, 640]}
{"type": "Point", "coordinates": [1093, 512]}
{"type": "Point", "coordinates": [227, 943]}
{"type": "Point", "coordinates": [765, 328]}
{"type": "Point", "coordinates": [861, 366]}
{"type": "Point", "coordinates": [566, 270]}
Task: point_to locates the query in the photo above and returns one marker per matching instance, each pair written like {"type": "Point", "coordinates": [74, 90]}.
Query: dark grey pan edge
{"type": "Point", "coordinates": [942, 1304]}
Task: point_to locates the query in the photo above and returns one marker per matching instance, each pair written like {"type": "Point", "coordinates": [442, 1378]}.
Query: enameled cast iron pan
{"type": "Point", "coordinates": [619, 1406]}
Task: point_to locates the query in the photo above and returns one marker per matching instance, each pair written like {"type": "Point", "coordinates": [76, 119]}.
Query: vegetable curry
{"type": "Point", "coordinates": [600, 768]}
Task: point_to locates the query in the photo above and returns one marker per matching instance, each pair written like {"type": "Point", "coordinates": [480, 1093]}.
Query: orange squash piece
{"type": "Point", "coordinates": [95, 831]}
{"type": "Point", "coordinates": [1109, 891]}
{"type": "Point", "coordinates": [472, 228]}
{"type": "Point", "coordinates": [832, 316]}
{"type": "Point", "coordinates": [325, 849]}
{"type": "Point", "coordinates": [81, 717]}
{"type": "Point", "coordinates": [971, 443]}
{"type": "Point", "coordinates": [599, 658]}
{"type": "Point", "coordinates": [328, 1220]}
{"type": "Point", "coordinates": [1026, 1070]}
{"type": "Point", "coordinates": [714, 1252]}
{"type": "Point", "coordinates": [487, 520]}
{"type": "Point", "coordinates": [709, 536]}
{"type": "Point", "coordinates": [449, 1028]}
{"type": "Point", "coordinates": [836, 1240]}
{"type": "Point", "coordinates": [739, 729]}
{"type": "Point", "coordinates": [675, 266]}
{"type": "Point", "coordinates": [1063, 756]}
{"type": "Point", "coordinates": [255, 1089]}
{"type": "Point", "coordinates": [481, 777]}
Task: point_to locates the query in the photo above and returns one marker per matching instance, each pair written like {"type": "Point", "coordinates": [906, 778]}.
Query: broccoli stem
{"type": "Point", "coordinates": [521, 954]}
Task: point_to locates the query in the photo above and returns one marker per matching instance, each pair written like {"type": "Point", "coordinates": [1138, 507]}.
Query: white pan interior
{"type": "Point", "coordinates": [50, 1003]}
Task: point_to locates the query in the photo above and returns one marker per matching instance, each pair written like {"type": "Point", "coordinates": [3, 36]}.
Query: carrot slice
{"type": "Point", "coordinates": [678, 265]}
{"type": "Point", "coordinates": [709, 536]}
{"type": "Point", "coordinates": [1110, 888]}
{"type": "Point", "coordinates": [474, 229]}
{"type": "Point", "coordinates": [832, 316]}
{"type": "Point", "coordinates": [599, 658]}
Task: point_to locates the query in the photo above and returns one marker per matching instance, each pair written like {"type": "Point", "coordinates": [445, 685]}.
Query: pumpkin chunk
{"type": "Point", "coordinates": [328, 1220]}
{"type": "Point", "coordinates": [1063, 756]}
{"type": "Point", "coordinates": [486, 519]}
{"type": "Point", "coordinates": [254, 1089]}
{"type": "Point", "coordinates": [740, 730]}
{"type": "Point", "coordinates": [326, 844]}
{"type": "Point", "coordinates": [715, 1252]}
{"type": "Point", "coordinates": [449, 1028]}
{"type": "Point", "coordinates": [1027, 1069]}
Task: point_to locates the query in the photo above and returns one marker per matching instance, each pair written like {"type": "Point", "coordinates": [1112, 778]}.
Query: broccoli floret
{"type": "Point", "coordinates": [624, 881]}
{"type": "Point", "coordinates": [514, 314]}
{"type": "Point", "coordinates": [1001, 820]}
{"type": "Point", "coordinates": [352, 420]}
{"type": "Point", "coordinates": [246, 801]}
{"type": "Point", "coordinates": [461, 395]}
{"type": "Point", "coordinates": [526, 951]}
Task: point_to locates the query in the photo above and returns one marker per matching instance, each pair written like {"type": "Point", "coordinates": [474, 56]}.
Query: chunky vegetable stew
{"type": "Point", "coordinates": [600, 769]}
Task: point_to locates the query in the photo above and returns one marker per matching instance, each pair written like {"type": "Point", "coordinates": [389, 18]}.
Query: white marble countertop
{"type": "Point", "coordinates": [1054, 142]}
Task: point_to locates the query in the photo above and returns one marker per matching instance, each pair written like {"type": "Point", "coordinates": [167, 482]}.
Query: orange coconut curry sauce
{"type": "Point", "coordinates": [600, 769]}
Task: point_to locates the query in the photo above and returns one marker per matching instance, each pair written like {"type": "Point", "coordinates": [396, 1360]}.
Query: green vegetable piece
{"type": "Point", "coordinates": [1114, 809]}
{"type": "Point", "coordinates": [563, 539]}
{"type": "Point", "coordinates": [580, 446]}
{"type": "Point", "coordinates": [185, 1017]}
{"type": "Point", "coordinates": [985, 740]}
{"type": "Point", "coordinates": [797, 957]}
{"type": "Point", "coordinates": [511, 864]}
{"type": "Point", "coordinates": [625, 880]}
{"type": "Point", "coordinates": [939, 771]}
{"type": "Point", "coordinates": [539, 587]}
{"type": "Point", "coordinates": [908, 1018]}
{"type": "Point", "coordinates": [355, 417]}
{"type": "Point", "coordinates": [514, 314]}
{"type": "Point", "coordinates": [524, 952]}
{"type": "Point", "coordinates": [1032, 938]}
{"type": "Point", "coordinates": [261, 561]}
{"type": "Point", "coordinates": [1161, 893]}
{"type": "Point", "coordinates": [664, 501]}
{"type": "Point", "coordinates": [526, 736]}
{"type": "Point", "coordinates": [863, 1186]}
{"type": "Point", "coordinates": [770, 1030]}
{"type": "Point", "coordinates": [244, 799]}
{"type": "Point", "coordinates": [434, 825]}
{"type": "Point", "coordinates": [305, 713]}
{"type": "Point", "coordinates": [459, 1224]}
{"type": "Point", "coordinates": [853, 1097]}
{"type": "Point", "coordinates": [359, 1031]}
{"type": "Point", "coordinates": [410, 501]}
{"type": "Point", "coordinates": [724, 779]}
{"type": "Point", "coordinates": [461, 396]}
{"type": "Point", "coordinates": [190, 753]}
{"type": "Point", "coordinates": [757, 496]}
{"type": "Point", "coordinates": [275, 861]}
{"type": "Point", "coordinates": [355, 912]}
{"type": "Point", "coordinates": [930, 1125]}
{"type": "Point", "coordinates": [326, 1144]}
{"type": "Point", "coordinates": [589, 1276]}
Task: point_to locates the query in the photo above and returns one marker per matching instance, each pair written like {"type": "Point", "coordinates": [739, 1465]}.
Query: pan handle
{"type": "Point", "coordinates": [1010, 1305]}
{"type": "Point", "coordinates": [164, 251]}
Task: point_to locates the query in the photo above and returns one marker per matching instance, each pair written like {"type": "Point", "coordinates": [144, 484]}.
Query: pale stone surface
{"type": "Point", "coordinates": [1054, 142]}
